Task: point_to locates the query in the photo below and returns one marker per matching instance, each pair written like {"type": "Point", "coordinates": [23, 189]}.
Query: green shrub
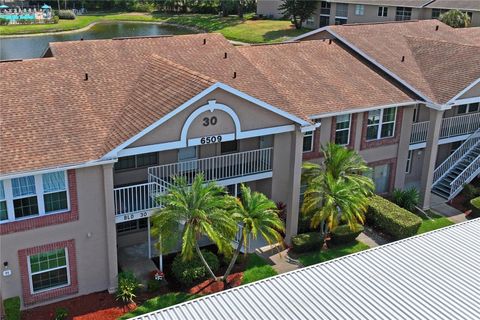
{"type": "Point", "coordinates": [188, 272]}
{"type": "Point", "coordinates": [127, 286]}
{"type": "Point", "coordinates": [66, 14]}
{"type": "Point", "coordinates": [390, 218]}
{"type": "Point", "coordinates": [343, 234]}
{"type": "Point", "coordinates": [305, 242]}
{"type": "Point", "coordinates": [153, 285]}
{"type": "Point", "coordinates": [12, 308]}
{"type": "Point", "coordinates": [407, 199]}
{"type": "Point", "coordinates": [61, 313]}
{"type": "Point", "coordinates": [4, 22]}
{"type": "Point", "coordinates": [257, 269]}
{"type": "Point", "coordinates": [55, 19]}
{"type": "Point", "coordinates": [470, 191]}
{"type": "Point", "coordinates": [142, 6]}
{"type": "Point", "coordinates": [476, 202]}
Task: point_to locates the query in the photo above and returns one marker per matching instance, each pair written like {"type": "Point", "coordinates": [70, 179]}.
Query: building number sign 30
{"type": "Point", "coordinates": [210, 121]}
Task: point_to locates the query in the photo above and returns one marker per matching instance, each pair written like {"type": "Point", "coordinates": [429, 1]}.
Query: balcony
{"type": "Point", "coordinates": [139, 201]}
{"type": "Point", "coordinates": [451, 127]}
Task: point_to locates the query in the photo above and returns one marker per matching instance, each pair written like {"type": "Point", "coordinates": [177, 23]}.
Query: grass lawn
{"type": "Point", "coordinates": [436, 222]}
{"type": "Point", "coordinates": [257, 269]}
{"type": "Point", "coordinates": [251, 31]}
{"type": "Point", "coordinates": [160, 302]}
{"type": "Point", "coordinates": [307, 259]}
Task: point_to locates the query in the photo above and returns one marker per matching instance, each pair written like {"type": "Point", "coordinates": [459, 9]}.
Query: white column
{"type": "Point", "coordinates": [111, 233]}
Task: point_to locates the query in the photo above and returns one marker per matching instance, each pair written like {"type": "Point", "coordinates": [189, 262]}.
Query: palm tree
{"type": "Point", "coordinates": [337, 190]}
{"type": "Point", "coordinates": [257, 215]}
{"type": "Point", "coordinates": [340, 162]}
{"type": "Point", "coordinates": [198, 210]}
{"type": "Point", "coordinates": [455, 19]}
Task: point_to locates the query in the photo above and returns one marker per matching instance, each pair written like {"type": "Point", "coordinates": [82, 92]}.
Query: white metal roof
{"type": "Point", "coordinates": [432, 276]}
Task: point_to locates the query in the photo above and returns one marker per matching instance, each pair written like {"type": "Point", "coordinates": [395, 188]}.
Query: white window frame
{"type": "Point", "coordinates": [30, 273]}
{"type": "Point", "coordinates": [383, 10]}
{"type": "Point", "coordinates": [7, 185]}
{"type": "Point", "coordinates": [309, 134]}
{"type": "Point", "coordinates": [345, 129]}
{"type": "Point", "coordinates": [408, 169]}
{"type": "Point", "coordinates": [381, 123]}
{"type": "Point", "coordinates": [359, 10]}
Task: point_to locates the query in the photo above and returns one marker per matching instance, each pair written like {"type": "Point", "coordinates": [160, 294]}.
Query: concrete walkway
{"type": "Point", "coordinates": [277, 257]}
{"type": "Point", "coordinates": [371, 238]}
{"type": "Point", "coordinates": [135, 259]}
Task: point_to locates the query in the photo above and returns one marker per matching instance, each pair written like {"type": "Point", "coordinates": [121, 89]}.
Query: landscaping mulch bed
{"type": "Point", "coordinates": [210, 286]}
{"type": "Point", "coordinates": [94, 306]}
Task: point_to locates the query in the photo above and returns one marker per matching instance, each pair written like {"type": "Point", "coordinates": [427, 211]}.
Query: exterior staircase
{"type": "Point", "coordinates": [460, 168]}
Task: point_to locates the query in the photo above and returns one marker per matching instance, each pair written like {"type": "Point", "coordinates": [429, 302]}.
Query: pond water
{"type": "Point", "coordinates": [35, 46]}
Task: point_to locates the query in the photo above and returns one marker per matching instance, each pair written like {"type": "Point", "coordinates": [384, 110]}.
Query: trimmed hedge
{"type": "Point", "coordinates": [191, 271]}
{"type": "Point", "coordinates": [391, 219]}
{"type": "Point", "coordinates": [12, 308]}
{"type": "Point", "coordinates": [66, 14]}
{"type": "Point", "coordinates": [343, 234]}
{"type": "Point", "coordinates": [305, 242]}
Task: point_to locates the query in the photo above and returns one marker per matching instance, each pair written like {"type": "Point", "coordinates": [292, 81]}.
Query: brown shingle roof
{"type": "Point", "coordinates": [52, 117]}
{"type": "Point", "coordinates": [323, 77]}
{"type": "Point", "coordinates": [425, 51]}
{"type": "Point", "coordinates": [473, 5]}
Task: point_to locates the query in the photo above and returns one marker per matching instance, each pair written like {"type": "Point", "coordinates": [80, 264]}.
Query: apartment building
{"type": "Point", "coordinates": [337, 12]}
{"type": "Point", "coordinates": [104, 125]}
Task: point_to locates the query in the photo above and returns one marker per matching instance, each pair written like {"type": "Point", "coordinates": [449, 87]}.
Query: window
{"type": "Point", "coordinates": [409, 161]}
{"type": "Point", "coordinates": [341, 13]}
{"type": "Point", "coordinates": [381, 123]}
{"type": "Point", "coordinates": [54, 192]}
{"type": "Point", "coordinates": [324, 21]}
{"type": "Point", "coordinates": [48, 270]}
{"type": "Point", "coordinates": [308, 141]}
{"type": "Point", "coordinates": [403, 14]}
{"type": "Point", "coordinates": [415, 114]}
{"type": "Point", "coordinates": [359, 9]}
{"type": "Point", "coordinates": [382, 11]}
{"type": "Point", "coordinates": [381, 177]}
{"type": "Point", "coordinates": [132, 225]}
{"type": "Point", "coordinates": [342, 130]}
{"type": "Point", "coordinates": [32, 196]}
{"type": "Point", "coordinates": [310, 20]}
{"type": "Point", "coordinates": [137, 161]}
{"type": "Point", "coordinates": [24, 197]}
{"type": "Point", "coordinates": [325, 8]}
{"type": "Point", "coordinates": [229, 147]}
{"type": "Point", "coordinates": [3, 203]}
{"type": "Point", "coordinates": [436, 13]}
{"type": "Point", "coordinates": [468, 108]}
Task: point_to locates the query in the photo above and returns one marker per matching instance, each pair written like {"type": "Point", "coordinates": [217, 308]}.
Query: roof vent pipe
{"type": "Point", "coordinates": [86, 77]}
{"type": "Point", "coordinates": [403, 58]}
{"type": "Point", "coordinates": [436, 28]}
{"type": "Point", "coordinates": [330, 41]}
{"type": "Point", "coordinates": [225, 57]}
{"type": "Point", "coordinates": [204, 41]}
{"type": "Point", "coordinates": [234, 74]}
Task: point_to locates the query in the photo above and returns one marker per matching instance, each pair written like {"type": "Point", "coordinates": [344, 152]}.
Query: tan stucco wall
{"type": "Point", "coordinates": [92, 256]}
{"type": "Point", "coordinates": [473, 92]}
{"type": "Point", "coordinates": [251, 117]}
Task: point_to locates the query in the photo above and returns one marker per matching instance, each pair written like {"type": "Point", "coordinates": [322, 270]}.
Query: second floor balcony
{"type": "Point", "coordinates": [138, 201]}
{"type": "Point", "coordinates": [453, 127]}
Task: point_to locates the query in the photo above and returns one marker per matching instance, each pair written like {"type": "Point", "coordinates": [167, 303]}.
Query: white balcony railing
{"type": "Point", "coordinates": [451, 127]}
{"type": "Point", "coordinates": [217, 168]}
{"type": "Point", "coordinates": [138, 201]}
{"type": "Point", "coordinates": [465, 177]}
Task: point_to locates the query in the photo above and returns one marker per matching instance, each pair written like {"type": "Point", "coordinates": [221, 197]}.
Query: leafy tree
{"type": "Point", "coordinates": [298, 10]}
{"type": "Point", "coordinates": [455, 19]}
{"type": "Point", "coordinates": [257, 215]}
{"type": "Point", "coordinates": [197, 210]}
{"type": "Point", "coordinates": [337, 191]}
